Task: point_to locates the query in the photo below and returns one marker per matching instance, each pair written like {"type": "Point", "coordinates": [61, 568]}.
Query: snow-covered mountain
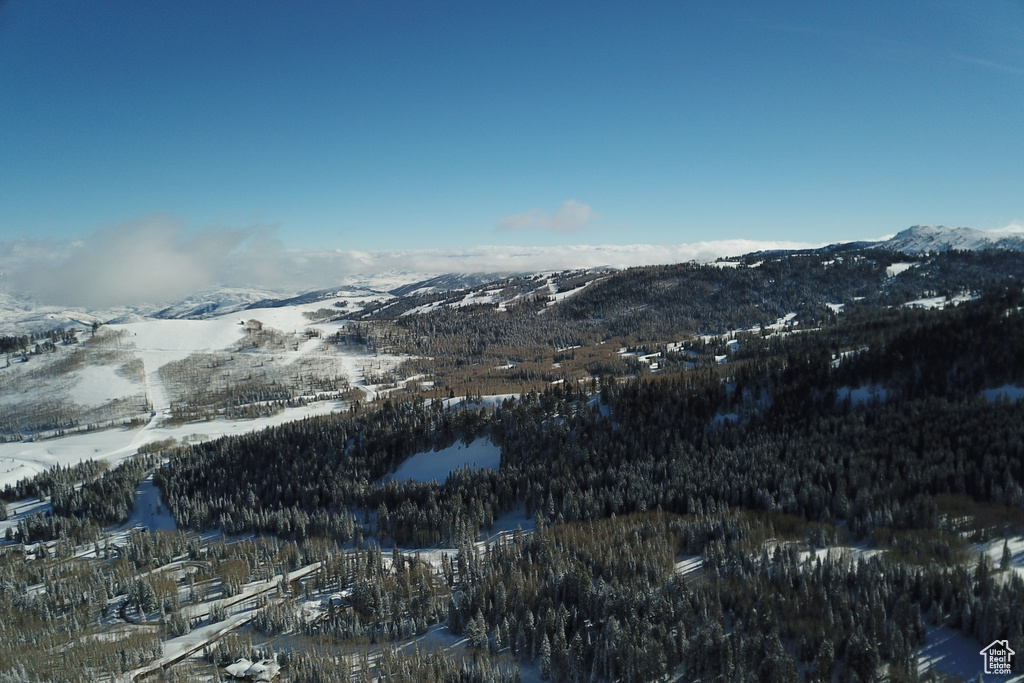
{"type": "Point", "coordinates": [921, 239]}
{"type": "Point", "coordinates": [20, 314]}
{"type": "Point", "coordinates": [213, 303]}
{"type": "Point", "coordinates": [448, 282]}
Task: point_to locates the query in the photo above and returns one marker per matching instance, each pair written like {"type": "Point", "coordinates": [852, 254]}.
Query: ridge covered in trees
{"type": "Point", "coordinates": [525, 338]}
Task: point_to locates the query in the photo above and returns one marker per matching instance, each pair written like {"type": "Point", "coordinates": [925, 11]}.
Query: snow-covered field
{"type": "Point", "coordinates": [562, 295]}
{"type": "Point", "coordinates": [897, 268]}
{"type": "Point", "coordinates": [166, 340]}
{"type": "Point", "coordinates": [99, 384]}
{"type": "Point", "coordinates": [436, 465]}
{"type": "Point", "coordinates": [940, 301]}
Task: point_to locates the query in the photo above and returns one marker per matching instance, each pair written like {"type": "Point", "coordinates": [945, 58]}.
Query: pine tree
{"type": "Point", "coordinates": [477, 632]}
{"type": "Point", "coordinates": [545, 658]}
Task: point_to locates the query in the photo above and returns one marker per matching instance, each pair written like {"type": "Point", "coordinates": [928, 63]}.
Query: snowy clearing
{"type": "Point", "coordinates": [994, 551]}
{"type": "Point", "coordinates": [734, 264]}
{"type": "Point", "coordinates": [836, 553]}
{"type": "Point", "coordinates": [1008, 392]}
{"type": "Point", "coordinates": [690, 565]}
{"type": "Point", "coordinates": [860, 395]}
{"type": "Point", "coordinates": [513, 520]}
{"type": "Point", "coordinates": [949, 651]}
{"type": "Point", "coordinates": [562, 295]}
{"type": "Point", "coordinates": [99, 384]}
{"type": "Point", "coordinates": [436, 465]}
{"type": "Point", "coordinates": [163, 341]}
{"type": "Point", "coordinates": [897, 268]}
{"type": "Point", "coordinates": [838, 359]}
{"type": "Point", "coordinates": [940, 302]}
{"type": "Point", "coordinates": [21, 509]}
{"type": "Point", "coordinates": [148, 510]}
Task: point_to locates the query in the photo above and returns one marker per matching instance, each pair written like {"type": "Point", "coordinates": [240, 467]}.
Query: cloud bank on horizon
{"type": "Point", "coordinates": [157, 260]}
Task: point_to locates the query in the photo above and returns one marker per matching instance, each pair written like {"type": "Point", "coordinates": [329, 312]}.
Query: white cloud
{"type": "Point", "coordinates": [156, 260]}
{"type": "Point", "coordinates": [571, 217]}
{"type": "Point", "coordinates": [1014, 229]}
{"type": "Point", "coordinates": [148, 260]}
{"type": "Point", "coordinates": [327, 268]}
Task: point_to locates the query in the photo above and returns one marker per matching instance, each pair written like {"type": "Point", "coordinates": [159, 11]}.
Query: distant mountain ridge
{"type": "Point", "coordinates": [917, 240]}
{"type": "Point", "coordinates": [920, 239]}
{"type": "Point", "coordinates": [20, 313]}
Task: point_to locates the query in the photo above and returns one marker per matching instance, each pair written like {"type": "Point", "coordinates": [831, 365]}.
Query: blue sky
{"type": "Point", "coordinates": [381, 126]}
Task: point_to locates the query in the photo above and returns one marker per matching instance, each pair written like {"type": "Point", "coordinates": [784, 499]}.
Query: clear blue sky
{"type": "Point", "coordinates": [381, 125]}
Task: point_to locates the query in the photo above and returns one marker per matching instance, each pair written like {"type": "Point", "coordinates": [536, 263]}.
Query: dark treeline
{"type": "Point", "coordinates": [107, 499]}
{"type": "Point", "coordinates": [511, 346]}
{"type": "Point", "coordinates": [442, 667]}
{"type": "Point", "coordinates": [952, 272]}
{"type": "Point", "coordinates": [969, 349]}
{"type": "Point", "coordinates": [42, 485]}
{"type": "Point", "coordinates": [46, 340]}
{"type": "Point", "coordinates": [654, 303]}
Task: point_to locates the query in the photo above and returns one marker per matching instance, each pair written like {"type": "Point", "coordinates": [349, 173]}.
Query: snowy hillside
{"type": "Point", "coordinates": [932, 238]}
{"type": "Point", "coordinates": [153, 380]}
{"type": "Point", "coordinates": [216, 302]}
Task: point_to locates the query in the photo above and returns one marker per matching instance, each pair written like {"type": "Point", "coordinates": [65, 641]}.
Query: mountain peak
{"type": "Point", "coordinates": [919, 239]}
